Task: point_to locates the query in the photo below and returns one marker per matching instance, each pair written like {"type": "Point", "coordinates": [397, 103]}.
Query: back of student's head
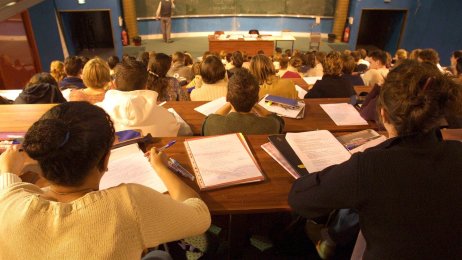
{"type": "Point", "coordinates": [296, 61]}
{"type": "Point", "coordinates": [414, 54]}
{"type": "Point", "coordinates": [212, 70]}
{"type": "Point", "coordinates": [363, 53]}
{"type": "Point", "coordinates": [429, 55]}
{"type": "Point", "coordinates": [237, 59]}
{"type": "Point", "coordinates": [178, 57]}
{"type": "Point", "coordinates": [73, 66]}
{"type": "Point", "coordinates": [401, 54]}
{"type": "Point", "coordinates": [57, 70]}
{"type": "Point", "coordinates": [96, 74]}
{"type": "Point", "coordinates": [40, 78]}
{"type": "Point", "coordinates": [349, 64]}
{"type": "Point", "coordinates": [130, 75]}
{"type": "Point", "coordinates": [158, 68]}
{"type": "Point", "coordinates": [320, 56]}
{"type": "Point", "coordinates": [284, 61]}
{"type": "Point", "coordinates": [356, 55]}
{"type": "Point", "coordinates": [262, 68]}
{"type": "Point", "coordinates": [143, 57]}
{"type": "Point", "coordinates": [379, 55]}
{"type": "Point", "coordinates": [188, 59]}
{"type": "Point", "coordinates": [243, 90]}
{"type": "Point", "coordinates": [112, 61]}
{"type": "Point", "coordinates": [459, 66]}
{"type": "Point", "coordinates": [415, 97]}
{"type": "Point", "coordinates": [70, 140]}
{"type": "Point", "coordinates": [332, 64]}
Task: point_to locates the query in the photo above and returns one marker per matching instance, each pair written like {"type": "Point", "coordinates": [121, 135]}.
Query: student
{"type": "Point", "coordinates": [407, 189]}
{"type": "Point", "coordinates": [132, 106]}
{"type": "Point", "coordinates": [295, 64]}
{"type": "Point", "coordinates": [168, 88]}
{"type": "Point", "coordinates": [57, 70]}
{"type": "Point", "coordinates": [263, 70]}
{"type": "Point", "coordinates": [178, 68]}
{"type": "Point", "coordinates": [332, 85]}
{"type": "Point", "coordinates": [112, 61]}
{"type": "Point", "coordinates": [72, 218]}
{"type": "Point", "coordinates": [400, 56]}
{"type": "Point", "coordinates": [238, 115]}
{"type": "Point", "coordinates": [377, 69]}
{"type": "Point", "coordinates": [214, 85]}
{"type": "Point", "coordinates": [236, 63]}
{"type": "Point", "coordinates": [430, 56]}
{"type": "Point", "coordinates": [96, 76]}
{"type": "Point", "coordinates": [73, 68]}
{"type": "Point", "coordinates": [349, 65]}
{"type": "Point", "coordinates": [41, 89]}
{"type": "Point", "coordinates": [317, 70]}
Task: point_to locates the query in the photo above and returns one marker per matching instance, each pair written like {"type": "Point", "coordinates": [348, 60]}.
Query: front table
{"type": "Point", "coordinates": [250, 47]}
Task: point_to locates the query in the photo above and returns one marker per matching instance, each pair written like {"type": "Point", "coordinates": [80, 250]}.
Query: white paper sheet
{"type": "Point", "coordinates": [211, 107]}
{"type": "Point", "coordinates": [317, 149]}
{"type": "Point", "coordinates": [343, 114]}
{"type": "Point", "coordinates": [301, 92]}
{"type": "Point", "coordinates": [311, 80]}
{"type": "Point", "coordinates": [129, 165]}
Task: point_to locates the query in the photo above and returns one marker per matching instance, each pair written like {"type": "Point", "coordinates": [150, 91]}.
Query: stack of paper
{"type": "Point", "coordinates": [298, 112]}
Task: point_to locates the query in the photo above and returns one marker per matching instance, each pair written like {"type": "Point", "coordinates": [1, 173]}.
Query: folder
{"type": "Point", "coordinates": [280, 142]}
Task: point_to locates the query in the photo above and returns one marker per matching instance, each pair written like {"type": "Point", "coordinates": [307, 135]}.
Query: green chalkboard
{"type": "Point", "coordinates": [147, 8]}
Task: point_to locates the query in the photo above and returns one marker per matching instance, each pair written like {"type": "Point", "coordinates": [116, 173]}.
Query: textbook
{"type": "Point", "coordinates": [222, 161]}
{"type": "Point", "coordinates": [313, 151]}
{"type": "Point", "coordinates": [296, 109]}
{"type": "Point", "coordinates": [128, 164]}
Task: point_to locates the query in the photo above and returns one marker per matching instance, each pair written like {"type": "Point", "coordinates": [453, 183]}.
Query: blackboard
{"type": "Point", "coordinates": [148, 8]}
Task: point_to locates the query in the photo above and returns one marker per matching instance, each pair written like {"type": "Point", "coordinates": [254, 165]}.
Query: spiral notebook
{"type": "Point", "coordinates": [222, 161]}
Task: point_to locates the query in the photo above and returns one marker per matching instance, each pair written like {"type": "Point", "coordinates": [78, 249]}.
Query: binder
{"type": "Point", "coordinates": [222, 161]}
{"type": "Point", "coordinates": [280, 142]}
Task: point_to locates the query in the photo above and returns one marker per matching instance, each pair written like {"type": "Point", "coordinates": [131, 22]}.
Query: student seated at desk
{"type": "Point", "coordinates": [72, 218]}
{"type": "Point", "coordinates": [41, 89]}
{"type": "Point", "coordinates": [132, 106]}
{"type": "Point", "coordinates": [73, 66]}
{"type": "Point", "coordinates": [406, 190]}
{"type": "Point", "coordinates": [214, 85]}
{"type": "Point", "coordinates": [332, 85]}
{"type": "Point", "coordinates": [96, 75]}
{"type": "Point", "coordinates": [238, 115]}
{"type": "Point", "coordinates": [263, 70]}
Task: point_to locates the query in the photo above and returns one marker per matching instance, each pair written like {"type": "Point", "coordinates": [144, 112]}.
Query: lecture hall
{"type": "Point", "coordinates": [230, 129]}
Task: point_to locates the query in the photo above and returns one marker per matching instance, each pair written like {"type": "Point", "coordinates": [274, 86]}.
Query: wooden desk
{"type": "Point", "coordinates": [250, 47]}
{"type": "Point", "coordinates": [302, 83]}
{"type": "Point", "coordinates": [315, 118]}
{"type": "Point", "coordinates": [18, 118]}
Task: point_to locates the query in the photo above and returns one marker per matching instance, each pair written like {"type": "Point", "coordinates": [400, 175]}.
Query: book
{"type": "Point", "coordinates": [128, 164]}
{"type": "Point", "coordinates": [222, 161]}
{"type": "Point", "coordinates": [297, 112]}
{"type": "Point", "coordinates": [282, 101]}
{"type": "Point", "coordinates": [353, 140]}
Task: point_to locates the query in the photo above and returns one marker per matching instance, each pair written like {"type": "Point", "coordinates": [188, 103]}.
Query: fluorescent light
{"type": "Point", "coordinates": [81, 2]}
{"type": "Point", "coordinates": [10, 3]}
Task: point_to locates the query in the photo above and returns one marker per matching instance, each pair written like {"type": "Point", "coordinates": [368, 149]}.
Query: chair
{"type": "Point", "coordinates": [219, 32]}
{"type": "Point", "coordinates": [254, 31]}
{"type": "Point", "coordinates": [315, 41]}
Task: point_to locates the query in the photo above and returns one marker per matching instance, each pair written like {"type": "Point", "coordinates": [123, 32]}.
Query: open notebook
{"type": "Point", "coordinates": [221, 161]}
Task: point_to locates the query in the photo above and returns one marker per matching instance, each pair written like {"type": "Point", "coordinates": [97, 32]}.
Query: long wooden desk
{"type": "Point", "coordinates": [315, 118]}
{"type": "Point", "coordinates": [251, 47]}
{"type": "Point", "coordinates": [18, 118]}
{"type": "Point", "coordinates": [302, 83]}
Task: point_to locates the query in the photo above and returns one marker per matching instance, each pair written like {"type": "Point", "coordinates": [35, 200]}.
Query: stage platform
{"type": "Point", "coordinates": [198, 45]}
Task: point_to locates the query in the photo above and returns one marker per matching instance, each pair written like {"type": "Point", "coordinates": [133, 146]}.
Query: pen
{"type": "Point", "coordinates": [167, 145]}
{"type": "Point", "coordinates": [176, 167]}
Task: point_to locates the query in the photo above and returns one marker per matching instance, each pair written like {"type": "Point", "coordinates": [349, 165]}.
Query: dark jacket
{"type": "Point", "coordinates": [43, 93]}
{"type": "Point", "coordinates": [355, 80]}
{"type": "Point", "coordinates": [331, 87]}
{"type": "Point", "coordinates": [71, 82]}
{"type": "Point", "coordinates": [368, 110]}
{"type": "Point", "coordinates": [406, 191]}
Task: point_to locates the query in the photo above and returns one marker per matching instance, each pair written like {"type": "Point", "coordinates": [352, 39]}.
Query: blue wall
{"type": "Point", "coordinates": [46, 33]}
{"type": "Point", "coordinates": [210, 24]}
{"type": "Point", "coordinates": [430, 24]}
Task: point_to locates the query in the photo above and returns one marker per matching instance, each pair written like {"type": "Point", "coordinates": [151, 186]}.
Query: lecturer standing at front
{"type": "Point", "coordinates": [164, 12]}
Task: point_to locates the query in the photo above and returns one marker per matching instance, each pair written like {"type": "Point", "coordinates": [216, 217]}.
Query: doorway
{"type": "Point", "coordinates": [88, 33]}
{"type": "Point", "coordinates": [381, 29]}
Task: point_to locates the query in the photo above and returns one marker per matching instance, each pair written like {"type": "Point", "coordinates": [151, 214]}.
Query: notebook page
{"type": "Point", "coordinates": [343, 114]}
{"type": "Point", "coordinates": [128, 164]}
{"type": "Point", "coordinates": [311, 80]}
{"type": "Point", "coordinates": [301, 92]}
{"type": "Point", "coordinates": [317, 149]}
{"type": "Point", "coordinates": [222, 159]}
{"type": "Point", "coordinates": [211, 107]}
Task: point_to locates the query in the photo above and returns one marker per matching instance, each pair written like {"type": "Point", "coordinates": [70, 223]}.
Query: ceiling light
{"type": "Point", "coordinates": [11, 3]}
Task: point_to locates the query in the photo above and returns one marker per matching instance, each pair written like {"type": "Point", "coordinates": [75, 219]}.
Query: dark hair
{"type": "Point", "coordinates": [429, 55]}
{"type": "Point", "coordinates": [416, 97]}
{"type": "Point", "coordinates": [144, 58]}
{"type": "Point", "coordinates": [130, 75]}
{"type": "Point", "coordinates": [237, 59]}
{"type": "Point", "coordinates": [158, 68]}
{"type": "Point", "coordinates": [296, 62]}
{"type": "Point", "coordinates": [188, 60]}
{"type": "Point", "coordinates": [459, 66]}
{"type": "Point", "coordinates": [69, 140]}
{"type": "Point", "coordinates": [278, 50]}
{"type": "Point", "coordinates": [178, 57]}
{"type": "Point", "coordinates": [113, 61]}
{"type": "Point", "coordinates": [284, 61]}
{"type": "Point", "coordinates": [72, 66]}
{"type": "Point", "coordinates": [379, 55]}
{"type": "Point", "coordinates": [363, 53]}
{"type": "Point", "coordinates": [212, 70]}
{"type": "Point", "coordinates": [84, 60]}
{"type": "Point", "coordinates": [349, 64]}
{"type": "Point", "coordinates": [42, 77]}
{"type": "Point", "coordinates": [243, 90]}
{"type": "Point", "coordinates": [457, 54]}
{"type": "Point", "coordinates": [356, 55]}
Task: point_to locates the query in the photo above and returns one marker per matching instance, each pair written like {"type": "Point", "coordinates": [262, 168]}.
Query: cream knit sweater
{"type": "Point", "coordinates": [117, 223]}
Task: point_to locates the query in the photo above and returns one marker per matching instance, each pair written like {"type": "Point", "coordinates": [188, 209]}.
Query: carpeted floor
{"type": "Point", "coordinates": [198, 45]}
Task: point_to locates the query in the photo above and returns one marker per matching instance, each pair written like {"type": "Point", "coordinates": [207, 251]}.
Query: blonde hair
{"type": "Point", "coordinates": [96, 73]}
{"type": "Point", "coordinates": [57, 70]}
{"type": "Point", "coordinates": [333, 64]}
{"type": "Point", "coordinates": [401, 54]}
{"type": "Point", "coordinates": [262, 68]}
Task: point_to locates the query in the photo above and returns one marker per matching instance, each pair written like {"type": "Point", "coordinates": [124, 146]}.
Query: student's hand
{"type": "Point", "coordinates": [12, 160]}
{"type": "Point", "coordinates": [157, 159]}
